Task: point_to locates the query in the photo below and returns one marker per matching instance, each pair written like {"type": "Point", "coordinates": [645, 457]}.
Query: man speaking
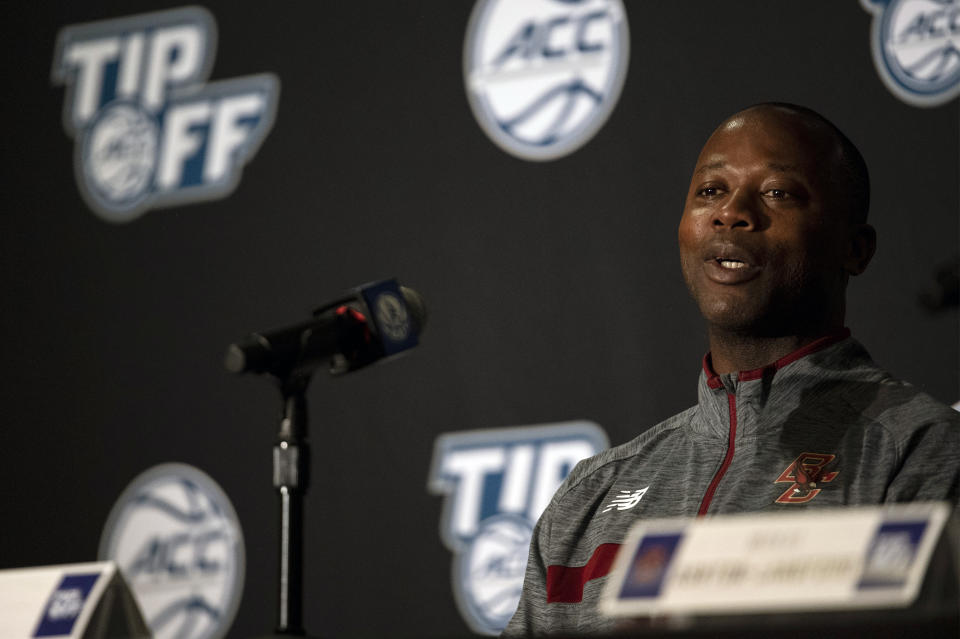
{"type": "Point", "coordinates": [792, 412]}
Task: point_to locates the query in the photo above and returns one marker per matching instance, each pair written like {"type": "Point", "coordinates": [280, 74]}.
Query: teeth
{"type": "Point", "coordinates": [731, 264]}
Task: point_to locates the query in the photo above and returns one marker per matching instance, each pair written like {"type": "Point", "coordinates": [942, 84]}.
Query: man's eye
{"type": "Point", "coordinates": [708, 191]}
{"type": "Point", "coordinates": [777, 194]}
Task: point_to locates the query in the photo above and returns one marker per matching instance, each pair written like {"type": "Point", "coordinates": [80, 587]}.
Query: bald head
{"type": "Point", "coordinates": [771, 228]}
{"type": "Point", "coordinates": [842, 164]}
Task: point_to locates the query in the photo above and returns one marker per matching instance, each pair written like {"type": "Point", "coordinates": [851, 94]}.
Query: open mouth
{"type": "Point", "coordinates": [727, 262]}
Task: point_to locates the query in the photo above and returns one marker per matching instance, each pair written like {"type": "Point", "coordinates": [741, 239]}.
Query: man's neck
{"type": "Point", "coordinates": [733, 352]}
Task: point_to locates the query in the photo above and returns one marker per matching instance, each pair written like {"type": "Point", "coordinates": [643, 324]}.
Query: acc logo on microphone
{"type": "Point", "coordinates": [177, 540]}
{"type": "Point", "coordinates": [386, 304]}
{"type": "Point", "coordinates": [149, 131]}
{"type": "Point", "coordinates": [916, 48]}
{"type": "Point", "coordinates": [542, 76]}
{"type": "Point", "coordinates": [391, 314]}
{"type": "Point", "coordinates": [497, 483]}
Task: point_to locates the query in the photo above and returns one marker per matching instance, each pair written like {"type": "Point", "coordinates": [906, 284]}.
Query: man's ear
{"type": "Point", "coordinates": [861, 246]}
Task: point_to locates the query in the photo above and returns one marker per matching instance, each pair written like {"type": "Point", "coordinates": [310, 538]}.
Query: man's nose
{"type": "Point", "coordinates": [738, 211]}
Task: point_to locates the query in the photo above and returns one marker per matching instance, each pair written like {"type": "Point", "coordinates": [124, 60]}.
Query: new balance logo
{"type": "Point", "coordinates": [626, 500]}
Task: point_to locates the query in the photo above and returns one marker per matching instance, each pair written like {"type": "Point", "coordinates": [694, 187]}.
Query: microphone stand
{"type": "Point", "coordinates": [291, 468]}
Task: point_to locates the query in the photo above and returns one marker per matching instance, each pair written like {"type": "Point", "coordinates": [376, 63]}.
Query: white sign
{"type": "Point", "coordinates": [831, 558]}
{"type": "Point", "coordinates": [59, 601]}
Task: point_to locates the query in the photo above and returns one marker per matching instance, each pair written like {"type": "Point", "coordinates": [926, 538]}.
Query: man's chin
{"type": "Point", "coordinates": [746, 325]}
{"type": "Point", "coordinates": [732, 319]}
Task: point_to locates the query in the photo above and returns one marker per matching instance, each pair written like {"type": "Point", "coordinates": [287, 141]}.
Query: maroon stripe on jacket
{"type": "Point", "coordinates": [565, 583]}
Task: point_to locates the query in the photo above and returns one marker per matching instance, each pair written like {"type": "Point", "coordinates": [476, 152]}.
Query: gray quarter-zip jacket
{"type": "Point", "coordinates": [822, 427]}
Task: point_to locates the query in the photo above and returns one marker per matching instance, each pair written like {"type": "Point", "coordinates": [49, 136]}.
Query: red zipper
{"type": "Point", "coordinates": [712, 488]}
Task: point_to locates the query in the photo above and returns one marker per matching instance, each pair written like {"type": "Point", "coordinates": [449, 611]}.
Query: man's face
{"type": "Point", "coordinates": [763, 232]}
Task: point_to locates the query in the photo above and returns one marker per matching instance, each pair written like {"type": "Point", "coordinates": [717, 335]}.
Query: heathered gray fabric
{"type": "Point", "coordinates": [892, 443]}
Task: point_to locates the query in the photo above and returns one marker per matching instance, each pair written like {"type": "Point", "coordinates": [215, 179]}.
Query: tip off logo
{"type": "Point", "coordinates": [149, 132]}
{"type": "Point", "coordinates": [916, 48]}
{"type": "Point", "coordinates": [497, 482]}
{"type": "Point", "coordinates": [542, 76]}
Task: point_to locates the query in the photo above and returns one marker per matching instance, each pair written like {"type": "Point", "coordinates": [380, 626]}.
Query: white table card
{"type": "Point", "coordinates": [769, 562]}
{"type": "Point", "coordinates": [75, 600]}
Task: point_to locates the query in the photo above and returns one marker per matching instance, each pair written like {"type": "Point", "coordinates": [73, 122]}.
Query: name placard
{"type": "Point", "coordinates": [75, 600]}
{"type": "Point", "coordinates": [771, 562]}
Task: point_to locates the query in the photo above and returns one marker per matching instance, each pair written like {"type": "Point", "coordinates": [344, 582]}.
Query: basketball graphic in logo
{"type": "Point", "coordinates": [492, 570]}
{"type": "Point", "coordinates": [120, 158]}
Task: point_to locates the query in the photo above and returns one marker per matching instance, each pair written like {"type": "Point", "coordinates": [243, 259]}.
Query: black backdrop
{"type": "Point", "coordinates": [554, 287]}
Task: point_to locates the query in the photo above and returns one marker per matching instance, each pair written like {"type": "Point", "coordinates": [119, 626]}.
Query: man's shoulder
{"type": "Point", "coordinates": [924, 434]}
{"type": "Point", "coordinates": [611, 462]}
{"type": "Point", "coordinates": [903, 409]}
{"type": "Point", "coordinates": [886, 401]}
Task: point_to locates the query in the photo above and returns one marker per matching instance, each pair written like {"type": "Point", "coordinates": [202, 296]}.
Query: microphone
{"type": "Point", "coordinates": [377, 320]}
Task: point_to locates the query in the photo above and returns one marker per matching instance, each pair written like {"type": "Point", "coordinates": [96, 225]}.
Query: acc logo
{"type": "Point", "coordinates": [149, 132]}
{"type": "Point", "coordinates": [65, 605]}
{"type": "Point", "coordinates": [497, 484]}
{"type": "Point", "coordinates": [542, 76]}
{"type": "Point", "coordinates": [392, 316]}
{"type": "Point", "coordinates": [176, 537]}
{"type": "Point", "coordinates": [916, 48]}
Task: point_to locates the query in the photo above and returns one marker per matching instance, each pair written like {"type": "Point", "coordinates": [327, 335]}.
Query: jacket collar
{"type": "Point", "coordinates": [715, 381]}
{"type": "Point", "coordinates": [765, 396]}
